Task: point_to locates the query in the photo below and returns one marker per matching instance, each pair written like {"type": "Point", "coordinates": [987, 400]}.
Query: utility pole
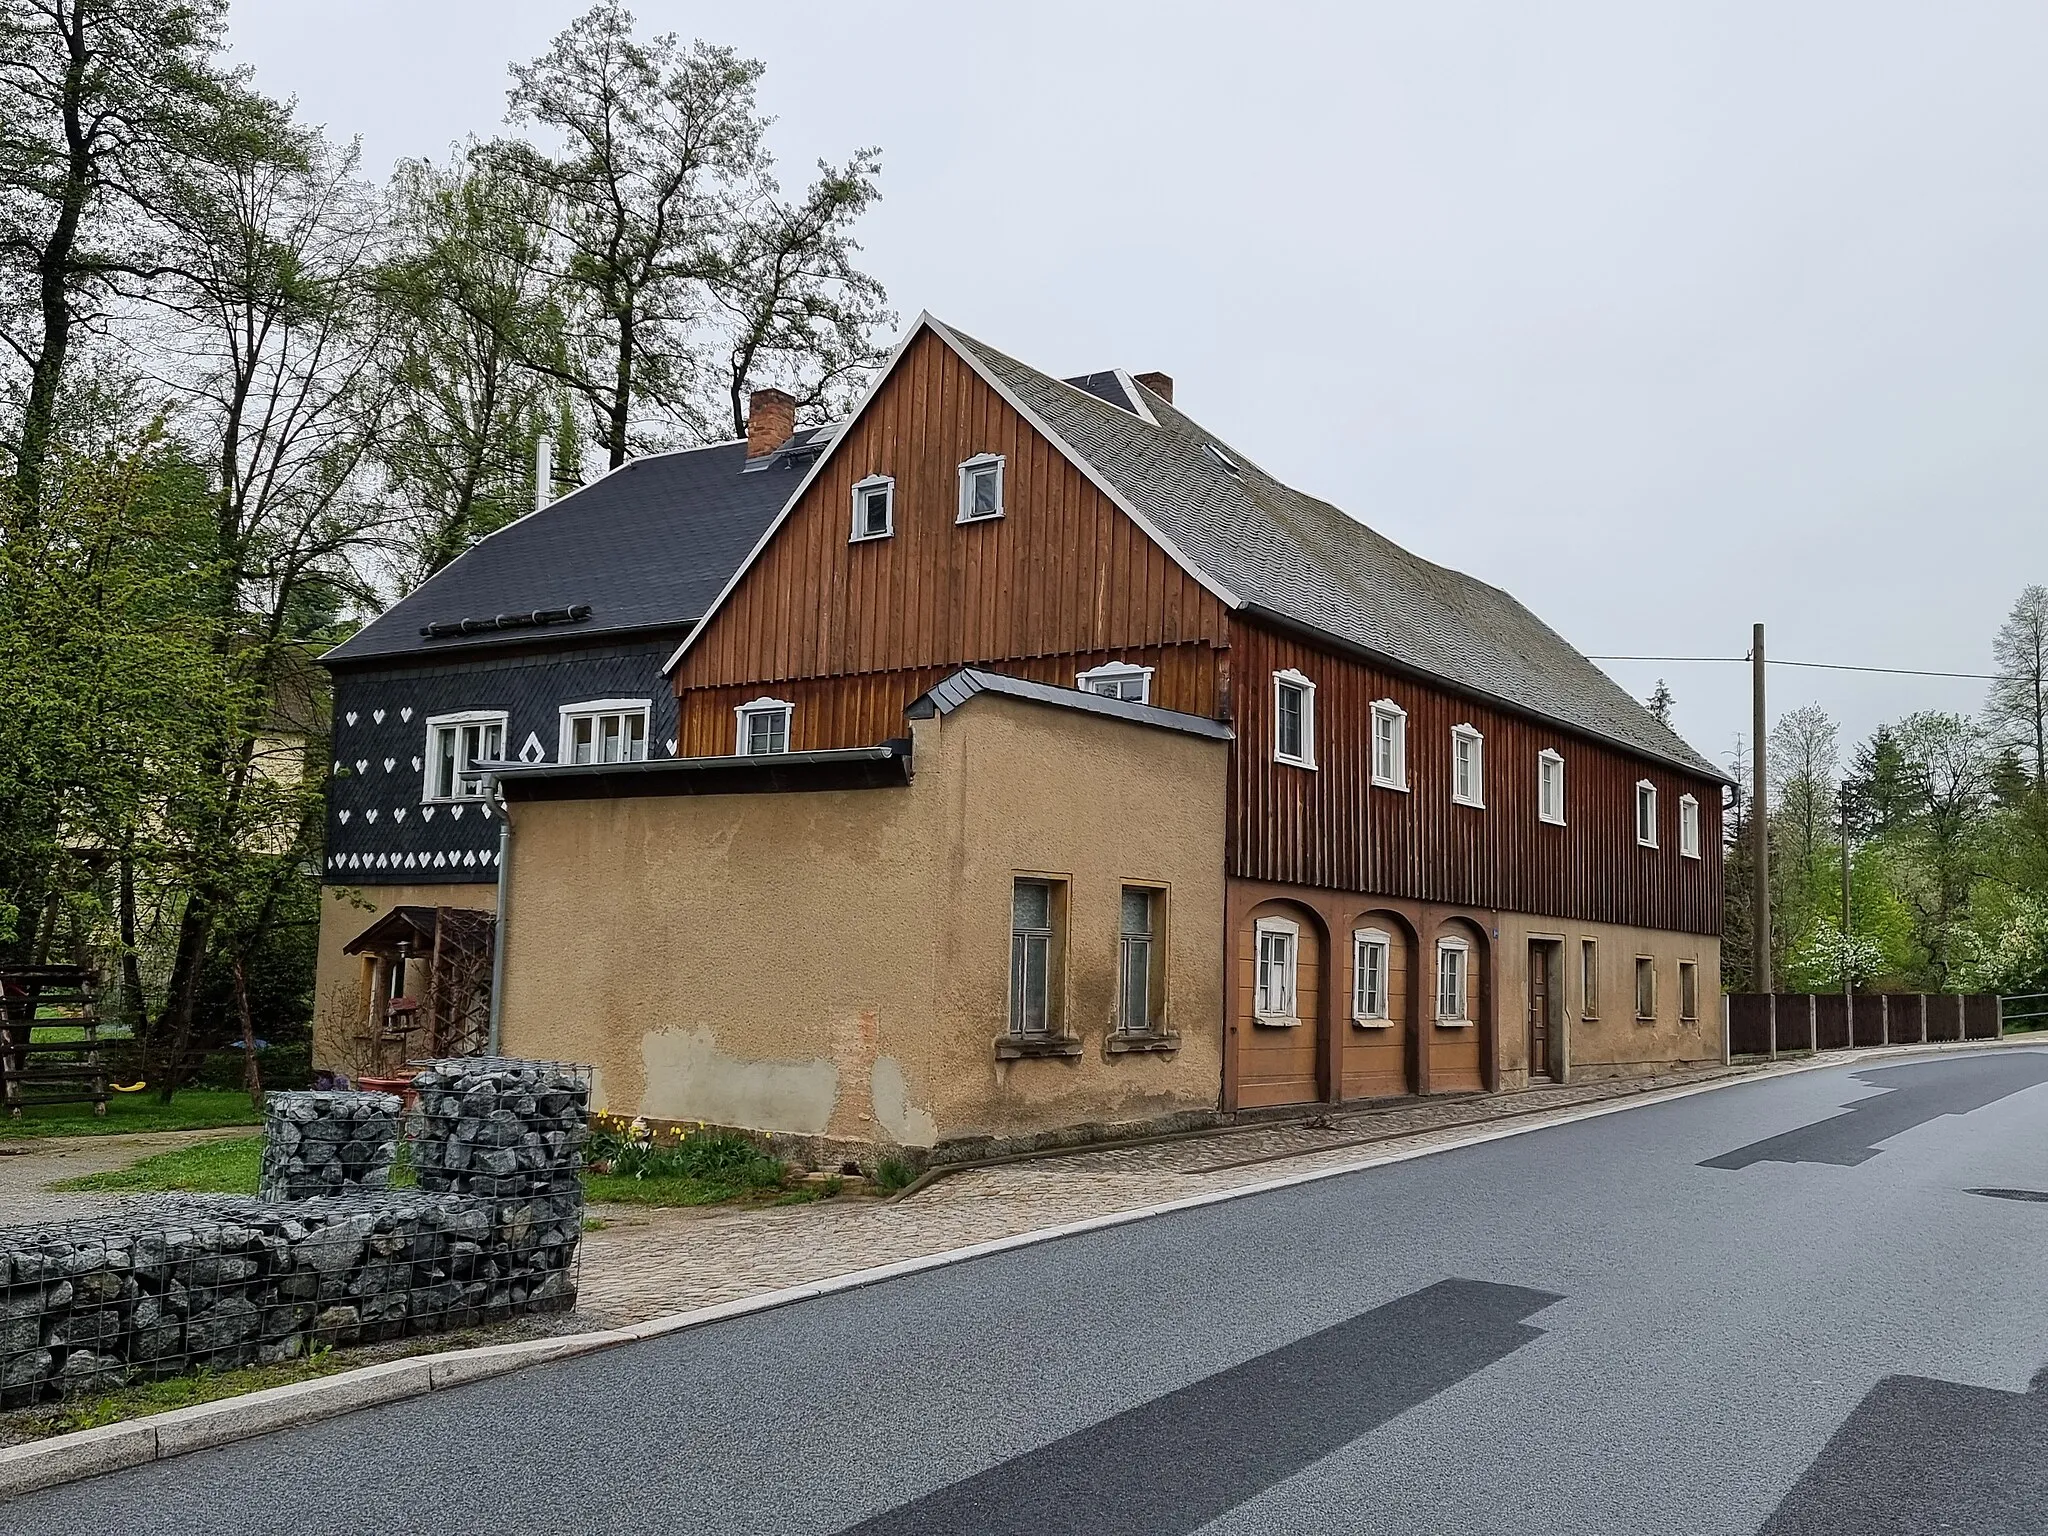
{"type": "Point", "coordinates": [1760, 822]}
{"type": "Point", "coordinates": [1848, 971]}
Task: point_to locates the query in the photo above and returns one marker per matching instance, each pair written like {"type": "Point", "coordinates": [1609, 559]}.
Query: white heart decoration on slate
{"type": "Point", "coordinates": [426, 813]}
{"type": "Point", "coordinates": [337, 765]}
{"type": "Point", "coordinates": [455, 811]}
{"type": "Point", "coordinates": [362, 765]}
{"type": "Point", "coordinates": [440, 859]}
{"type": "Point", "coordinates": [390, 763]}
{"type": "Point", "coordinates": [344, 817]}
{"type": "Point", "coordinates": [399, 814]}
{"type": "Point", "coordinates": [470, 858]}
{"type": "Point", "coordinates": [370, 816]}
{"type": "Point", "coordinates": [415, 765]}
{"type": "Point", "coordinates": [377, 715]}
{"type": "Point", "coordinates": [350, 717]}
{"type": "Point", "coordinates": [405, 713]}
{"type": "Point", "coordinates": [671, 746]}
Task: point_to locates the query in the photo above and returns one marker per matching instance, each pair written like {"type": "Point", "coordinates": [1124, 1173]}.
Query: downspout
{"type": "Point", "coordinates": [497, 1038]}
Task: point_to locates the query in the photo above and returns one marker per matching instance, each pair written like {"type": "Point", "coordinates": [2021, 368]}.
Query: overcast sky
{"type": "Point", "coordinates": [1669, 318]}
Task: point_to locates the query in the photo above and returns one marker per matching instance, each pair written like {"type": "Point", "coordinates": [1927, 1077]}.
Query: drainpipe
{"type": "Point", "coordinates": [497, 1040]}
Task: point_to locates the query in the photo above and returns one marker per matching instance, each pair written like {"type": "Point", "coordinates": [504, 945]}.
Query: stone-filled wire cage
{"type": "Point", "coordinates": [167, 1286]}
{"type": "Point", "coordinates": [501, 1129]}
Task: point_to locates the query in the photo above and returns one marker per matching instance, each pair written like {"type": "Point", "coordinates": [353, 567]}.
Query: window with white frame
{"type": "Point", "coordinates": [1453, 982]}
{"type": "Point", "coordinates": [1117, 680]}
{"type": "Point", "coordinates": [1646, 987]}
{"type": "Point", "coordinates": [1688, 827]}
{"type": "Point", "coordinates": [1646, 813]}
{"type": "Point", "coordinates": [604, 731]}
{"type": "Point", "coordinates": [874, 508]}
{"type": "Point", "coordinates": [1294, 719]}
{"type": "Point", "coordinates": [1389, 745]}
{"type": "Point", "coordinates": [1468, 766]}
{"type": "Point", "coordinates": [455, 745]}
{"type": "Point", "coordinates": [1550, 787]}
{"type": "Point", "coordinates": [1035, 956]}
{"type": "Point", "coordinates": [1371, 952]}
{"type": "Point", "coordinates": [763, 727]}
{"type": "Point", "coordinates": [981, 488]}
{"type": "Point", "coordinates": [1278, 943]}
{"type": "Point", "coordinates": [1141, 990]}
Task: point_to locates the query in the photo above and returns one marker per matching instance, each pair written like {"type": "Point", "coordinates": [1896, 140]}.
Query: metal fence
{"type": "Point", "coordinates": [1780, 1023]}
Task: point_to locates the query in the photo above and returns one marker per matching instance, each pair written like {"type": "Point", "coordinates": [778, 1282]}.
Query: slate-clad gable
{"type": "Point", "coordinates": [378, 830]}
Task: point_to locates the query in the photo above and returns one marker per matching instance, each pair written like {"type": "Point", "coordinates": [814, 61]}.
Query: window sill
{"type": "Point", "coordinates": [1294, 762]}
{"type": "Point", "coordinates": [1358, 1023]}
{"type": "Point", "coordinates": [1453, 1023]}
{"type": "Point", "coordinates": [1016, 1047]}
{"type": "Point", "coordinates": [1401, 788]}
{"type": "Point", "coordinates": [1124, 1045]}
{"type": "Point", "coordinates": [1646, 1018]}
{"type": "Point", "coordinates": [1470, 805]}
{"type": "Point", "coordinates": [985, 517]}
{"type": "Point", "coordinates": [871, 538]}
{"type": "Point", "coordinates": [1275, 1021]}
{"type": "Point", "coordinates": [1550, 821]}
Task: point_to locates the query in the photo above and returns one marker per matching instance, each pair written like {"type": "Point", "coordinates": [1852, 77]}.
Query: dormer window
{"type": "Point", "coordinates": [981, 488]}
{"type": "Point", "coordinates": [874, 508]}
{"type": "Point", "coordinates": [1468, 766]}
{"type": "Point", "coordinates": [763, 727]}
{"type": "Point", "coordinates": [1117, 680]}
{"type": "Point", "coordinates": [604, 731]}
{"type": "Point", "coordinates": [456, 744]}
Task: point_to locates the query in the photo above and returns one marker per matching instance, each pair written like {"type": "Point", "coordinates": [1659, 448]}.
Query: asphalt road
{"type": "Point", "coordinates": [1758, 1309]}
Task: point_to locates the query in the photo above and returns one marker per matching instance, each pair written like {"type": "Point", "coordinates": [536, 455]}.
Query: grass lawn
{"type": "Point", "coordinates": [177, 1392]}
{"type": "Point", "coordinates": [213, 1168]}
{"type": "Point", "coordinates": [194, 1109]}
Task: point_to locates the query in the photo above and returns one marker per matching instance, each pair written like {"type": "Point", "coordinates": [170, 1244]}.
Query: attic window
{"type": "Point", "coordinates": [1221, 458]}
{"type": "Point", "coordinates": [874, 508]}
{"type": "Point", "coordinates": [981, 488]}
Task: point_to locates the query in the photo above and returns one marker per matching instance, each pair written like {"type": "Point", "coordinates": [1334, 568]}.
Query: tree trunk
{"type": "Point", "coordinates": [133, 1003]}
{"type": "Point", "coordinates": [252, 1074]}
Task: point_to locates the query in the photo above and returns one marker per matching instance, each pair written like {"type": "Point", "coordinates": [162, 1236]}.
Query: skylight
{"type": "Point", "coordinates": [1221, 457]}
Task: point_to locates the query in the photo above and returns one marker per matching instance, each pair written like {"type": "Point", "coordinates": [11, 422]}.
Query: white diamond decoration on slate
{"type": "Point", "coordinates": [533, 751]}
{"type": "Point", "coordinates": [405, 713]}
{"type": "Point", "coordinates": [485, 808]}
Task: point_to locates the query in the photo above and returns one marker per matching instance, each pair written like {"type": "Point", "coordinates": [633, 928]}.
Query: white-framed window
{"type": "Point", "coordinates": [1688, 990]}
{"type": "Point", "coordinates": [874, 508]}
{"type": "Point", "coordinates": [1372, 951]}
{"type": "Point", "coordinates": [1141, 973]}
{"type": "Point", "coordinates": [1117, 680]}
{"type": "Point", "coordinates": [1468, 766]}
{"type": "Point", "coordinates": [1688, 827]}
{"type": "Point", "coordinates": [1389, 745]}
{"type": "Point", "coordinates": [1453, 981]}
{"type": "Point", "coordinates": [604, 731]}
{"type": "Point", "coordinates": [763, 727]}
{"type": "Point", "coordinates": [1646, 988]}
{"type": "Point", "coordinates": [456, 743]}
{"type": "Point", "coordinates": [1278, 942]}
{"type": "Point", "coordinates": [1035, 956]}
{"type": "Point", "coordinates": [981, 488]}
{"type": "Point", "coordinates": [1550, 787]}
{"type": "Point", "coordinates": [1646, 813]}
{"type": "Point", "coordinates": [1294, 719]}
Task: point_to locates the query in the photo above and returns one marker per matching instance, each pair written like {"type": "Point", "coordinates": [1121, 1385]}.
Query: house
{"type": "Point", "coordinates": [1049, 763]}
{"type": "Point", "coordinates": [543, 643]}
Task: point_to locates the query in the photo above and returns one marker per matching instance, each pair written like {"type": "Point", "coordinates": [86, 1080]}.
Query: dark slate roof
{"type": "Point", "coordinates": [881, 767]}
{"type": "Point", "coordinates": [1268, 548]}
{"type": "Point", "coordinates": [969, 681]}
{"type": "Point", "coordinates": [1109, 386]}
{"type": "Point", "coordinates": [647, 545]}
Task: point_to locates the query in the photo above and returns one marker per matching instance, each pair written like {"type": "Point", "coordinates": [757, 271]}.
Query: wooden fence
{"type": "Point", "coordinates": [1777, 1023]}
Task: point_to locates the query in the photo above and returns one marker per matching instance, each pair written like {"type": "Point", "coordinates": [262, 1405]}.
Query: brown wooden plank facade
{"type": "Point", "coordinates": [851, 632]}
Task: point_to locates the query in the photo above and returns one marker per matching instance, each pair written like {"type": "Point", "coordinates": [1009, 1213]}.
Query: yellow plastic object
{"type": "Point", "coordinates": [127, 1087]}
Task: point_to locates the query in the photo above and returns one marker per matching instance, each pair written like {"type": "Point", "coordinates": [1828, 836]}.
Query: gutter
{"type": "Point", "coordinates": [497, 1035]}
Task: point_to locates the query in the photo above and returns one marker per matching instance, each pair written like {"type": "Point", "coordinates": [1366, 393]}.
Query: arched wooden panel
{"type": "Point", "coordinates": [1278, 1064]}
{"type": "Point", "coordinates": [1377, 1058]}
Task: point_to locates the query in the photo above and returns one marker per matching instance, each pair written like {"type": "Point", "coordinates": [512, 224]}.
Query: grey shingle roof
{"type": "Point", "coordinates": [963, 685]}
{"type": "Point", "coordinates": [1274, 550]}
{"type": "Point", "coordinates": [649, 544]}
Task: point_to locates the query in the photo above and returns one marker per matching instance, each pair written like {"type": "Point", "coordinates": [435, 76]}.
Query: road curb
{"type": "Point", "coordinates": [89, 1452]}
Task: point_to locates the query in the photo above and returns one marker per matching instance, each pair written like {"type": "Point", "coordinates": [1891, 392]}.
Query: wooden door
{"type": "Point", "coordinates": [1542, 991]}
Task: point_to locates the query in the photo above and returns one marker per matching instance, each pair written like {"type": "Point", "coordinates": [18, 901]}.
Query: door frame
{"type": "Point", "coordinates": [1547, 950]}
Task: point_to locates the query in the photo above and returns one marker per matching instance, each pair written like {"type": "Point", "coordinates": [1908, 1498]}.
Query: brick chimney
{"type": "Point", "coordinates": [771, 417]}
{"type": "Point", "coordinates": [1161, 384]}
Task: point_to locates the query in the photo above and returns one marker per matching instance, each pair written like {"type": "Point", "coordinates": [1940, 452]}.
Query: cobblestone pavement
{"type": "Point", "coordinates": [30, 1165]}
{"type": "Point", "coordinates": [648, 1262]}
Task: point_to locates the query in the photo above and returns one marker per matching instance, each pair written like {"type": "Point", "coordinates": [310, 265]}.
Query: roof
{"type": "Point", "coordinates": [882, 767]}
{"type": "Point", "coordinates": [1269, 549]}
{"type": "Point", "coordinates": [646, 546]}
{"type": "Point", "coordinates": [969, 681]}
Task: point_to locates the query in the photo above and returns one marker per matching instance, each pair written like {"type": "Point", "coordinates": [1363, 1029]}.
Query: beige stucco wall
{"type": "Point", "coordinates": [1614, 1042]}
{"type": "Point", "coordinates": [340, 1007]}
{"type": "Point", "coordinates": [836, 963]}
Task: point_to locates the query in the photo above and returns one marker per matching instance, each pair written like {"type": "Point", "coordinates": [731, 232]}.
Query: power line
{"type": "Point", "coordinates": [1827, 666]}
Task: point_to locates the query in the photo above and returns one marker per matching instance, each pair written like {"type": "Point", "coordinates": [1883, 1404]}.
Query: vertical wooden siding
{"type": "Point", "coordinates": [1061, 573]}
{"type": "Point", "coordinates": [1329, 827]}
